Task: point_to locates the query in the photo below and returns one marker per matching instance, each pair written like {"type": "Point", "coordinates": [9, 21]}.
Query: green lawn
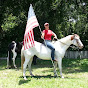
{"type": "Point", "coordinates": [75, 72]}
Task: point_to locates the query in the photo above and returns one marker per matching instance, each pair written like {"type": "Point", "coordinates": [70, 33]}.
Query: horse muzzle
{"type": "Point", "coordinates": [80, 47]}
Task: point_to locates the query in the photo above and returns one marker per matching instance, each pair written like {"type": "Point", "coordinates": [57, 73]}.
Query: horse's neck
{"type": "Point", "coordinates": [64, 43]}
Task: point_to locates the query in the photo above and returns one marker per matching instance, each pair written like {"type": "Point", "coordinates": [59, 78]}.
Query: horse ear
{"type": "Point", "coordinates": [72, 37]}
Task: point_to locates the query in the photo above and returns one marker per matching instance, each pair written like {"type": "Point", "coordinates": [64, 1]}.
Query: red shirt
{"type": "Point", "coordinates": [48, 34]}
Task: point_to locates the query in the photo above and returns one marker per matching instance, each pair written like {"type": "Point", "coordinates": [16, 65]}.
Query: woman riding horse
{"type": "Point", "coordinates": [47, 34]}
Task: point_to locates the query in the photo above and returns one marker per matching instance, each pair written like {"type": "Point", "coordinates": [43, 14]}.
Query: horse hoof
{"type": "Point", "coordinates": [62, 77]}
{"type": "Point", "coordinates": [7, 68]}
{"type": "Point", "coordinates": [31, 74]}
{"type": "Point", "coordinates": [55, 76]}
{"type": "Point", "coordinates": [25, 78]}
{"type": "Point", "coordinates": [15, 67]}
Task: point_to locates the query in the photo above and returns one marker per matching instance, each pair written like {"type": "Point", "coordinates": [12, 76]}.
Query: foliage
{"type": "Point", "coordinates": [65, 17]}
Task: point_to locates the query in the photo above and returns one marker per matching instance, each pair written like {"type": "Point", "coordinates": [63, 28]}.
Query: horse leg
{"type": "Point", "coordinates": [14, 57]}
{"type": "Point", "coordinates": [34, 59]}
{"type": "Point", "coordinates": [8, 60]}
{"type": "Point", "coordinates": [29, 65]}
{"type": "Point", "coordinates": [24, 67]}
{"type": "Point", "coordinates": [55, 66]}
{"type": "Point", "coordinates": [60, 67]}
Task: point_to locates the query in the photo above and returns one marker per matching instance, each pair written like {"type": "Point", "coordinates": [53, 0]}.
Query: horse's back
{"type": "Point", "coordinates": [41, 47]}
{"type": "Point", "coordinates": [42, 51]}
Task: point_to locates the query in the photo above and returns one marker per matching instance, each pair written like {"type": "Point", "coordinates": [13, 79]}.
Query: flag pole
{"type": "Point", "coordinates": [41, 33]}
{"type": "Point", "coordinates": [40, 29]}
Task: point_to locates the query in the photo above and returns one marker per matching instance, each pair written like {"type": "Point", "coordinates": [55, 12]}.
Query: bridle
{"type": "Point", "coordinates": [76, 47]}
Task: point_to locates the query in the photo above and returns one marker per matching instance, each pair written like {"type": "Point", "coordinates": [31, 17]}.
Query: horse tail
{"type": "Point", "coordinates": [22, 59]}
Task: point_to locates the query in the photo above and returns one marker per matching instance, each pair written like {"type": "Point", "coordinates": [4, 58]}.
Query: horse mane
{"type": "Point", "coordinates": [64, 38]}
{"type": "Point", "coordinates": [73, 36]}
{"type": "Point", "coordinates": [70, 37]}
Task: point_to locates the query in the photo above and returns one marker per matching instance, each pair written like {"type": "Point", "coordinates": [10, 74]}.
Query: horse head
{"type": "Point", "coordinates": [76, 41]}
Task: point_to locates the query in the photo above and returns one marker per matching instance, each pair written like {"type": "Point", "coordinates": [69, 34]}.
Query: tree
{"type": "Point", "coordinates": [65, 17]}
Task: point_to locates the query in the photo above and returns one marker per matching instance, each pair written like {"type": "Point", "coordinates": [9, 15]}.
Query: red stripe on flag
{"type": "Point", "coordinates": [31, 37]}
{"type": "Point", "coordinates": [30, 27]}
{"type": "Point", "coordinates": [28, 42]}
{"type": "Point", "coordinates": [25, 42]}
{"type": "Point", "coordinates": [31, 22]}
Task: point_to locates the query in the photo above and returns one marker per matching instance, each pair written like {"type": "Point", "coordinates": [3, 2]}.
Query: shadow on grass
{"type": "Point", "coordinates": [39, 76]}
{"type": "Point", "coordinates": [29, 78]}
{"type": "Point", "coordinates": [22, 81]}
{"type": "Point", "coordinates": [47, 76]}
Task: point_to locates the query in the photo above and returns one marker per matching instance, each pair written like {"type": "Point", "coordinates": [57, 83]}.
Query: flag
{"type": "Point", "coordinates": [31, 23]}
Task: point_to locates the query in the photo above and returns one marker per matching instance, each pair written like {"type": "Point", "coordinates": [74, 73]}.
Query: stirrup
{"type": "Point", "coordinates": [54, 60]}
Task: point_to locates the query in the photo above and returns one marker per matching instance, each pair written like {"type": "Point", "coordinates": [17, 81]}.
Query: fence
{"type": "Point", "coordinates": [73, 54]}
{"type": "Point", "coordinates": [76, 54]}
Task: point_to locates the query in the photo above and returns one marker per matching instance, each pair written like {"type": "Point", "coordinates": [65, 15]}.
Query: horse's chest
{"type": "Point", "coordinates": [60, 53]}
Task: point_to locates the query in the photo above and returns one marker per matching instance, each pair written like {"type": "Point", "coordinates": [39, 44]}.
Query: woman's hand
{"type": "Point", "coordinates": [55, 37]}
{"type": "Point", "coordinates": [42, 36]}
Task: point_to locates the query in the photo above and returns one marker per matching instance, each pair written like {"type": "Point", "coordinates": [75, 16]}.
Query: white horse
{"type": "Point", "coordinates": [44, 52]}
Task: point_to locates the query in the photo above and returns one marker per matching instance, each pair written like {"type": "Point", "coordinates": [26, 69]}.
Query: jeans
{"type": "Point", "coordinates": [50, 45]}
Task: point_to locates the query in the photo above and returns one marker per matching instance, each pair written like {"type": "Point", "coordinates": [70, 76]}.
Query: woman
{"type": "Point", "coordinates": [47, 34]}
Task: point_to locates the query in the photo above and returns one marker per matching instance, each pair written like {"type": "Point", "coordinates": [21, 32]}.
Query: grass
{"type": "Point", "coordinates": [75, 72]}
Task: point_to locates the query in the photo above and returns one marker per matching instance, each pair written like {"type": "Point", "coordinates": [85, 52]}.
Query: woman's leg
{"type": "Point", "coordinates": [50, 45]}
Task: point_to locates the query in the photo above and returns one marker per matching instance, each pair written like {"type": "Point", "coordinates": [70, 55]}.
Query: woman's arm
{"type": "Point", "coordinates": [43, 34]}
{"type": "Point", "coordinates": [55, 36]}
